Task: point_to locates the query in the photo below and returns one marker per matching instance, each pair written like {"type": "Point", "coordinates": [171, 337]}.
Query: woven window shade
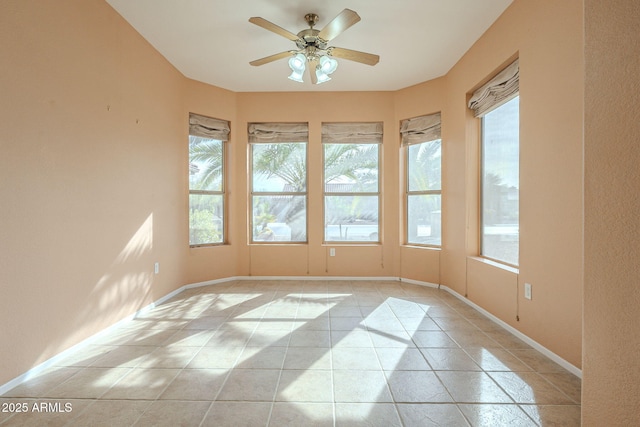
{"type": "Point", "coordinates": [421, 129]}
{"type": "Point", "coordinates": [351, 133]}
{"type": "Point", "coordinates": [497, 91]}
{"type": "Point", "coordinates": [207, 127]}
{"type": "Point", "coordinates": [278, 132]}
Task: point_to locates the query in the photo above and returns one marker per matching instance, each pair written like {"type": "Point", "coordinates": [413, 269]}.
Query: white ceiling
{"type": "Point", "coordinates": [212, 40]}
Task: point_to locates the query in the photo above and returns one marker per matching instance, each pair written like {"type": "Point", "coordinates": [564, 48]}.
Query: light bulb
{"type": "Point", "coordinates": [297, 63]}
{"type": "Point", "coordinates": [296, 76]}
{"type": "Point", "coordinates": [322, 77]}
{"type": "Point", "coordinates": [328, 65]}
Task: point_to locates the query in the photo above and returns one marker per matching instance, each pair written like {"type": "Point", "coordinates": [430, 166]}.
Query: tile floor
{"type": "Point", "coordinates": [292, 353]}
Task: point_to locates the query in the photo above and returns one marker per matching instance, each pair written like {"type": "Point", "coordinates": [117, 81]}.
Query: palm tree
{"type": "Point", "coordinates": [205, 187]}
{"type": "Point", "coordinates": [205, 163]}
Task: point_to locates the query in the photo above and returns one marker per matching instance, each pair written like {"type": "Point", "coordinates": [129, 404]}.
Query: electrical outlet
{"type": "Point", "coordinates": [156, 268]}
{"type": "Point", "coordinates": [527, 290]}
{"type": "Point", "coordinates": [332, 252]}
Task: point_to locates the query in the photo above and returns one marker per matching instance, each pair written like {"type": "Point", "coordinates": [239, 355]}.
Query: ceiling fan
{"type": "Point", "coordinates": [313, 49]}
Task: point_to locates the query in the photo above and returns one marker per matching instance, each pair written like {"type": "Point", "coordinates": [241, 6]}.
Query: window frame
{"type": "Point", "coordinates": [253, 193]}
{"type": "Point", "coordinates": [222, 192]}
{"type": "Point", "coordinates": [409, 193]}
{"type": "Point", "coordinates": [377, 194]}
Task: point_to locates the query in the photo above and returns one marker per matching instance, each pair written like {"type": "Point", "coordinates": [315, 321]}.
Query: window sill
{"type": "Point", "coordinates": [428, 248]}
{"type": "Point", "coordinates": [496, 264]}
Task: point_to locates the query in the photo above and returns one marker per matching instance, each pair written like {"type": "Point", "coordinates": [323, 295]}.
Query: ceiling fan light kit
{"type": "Point", "coordinates": [313, 47]}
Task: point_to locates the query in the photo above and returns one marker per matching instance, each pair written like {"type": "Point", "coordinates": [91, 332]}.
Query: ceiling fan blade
{"type": "Point", "coordinates": [261, 22]}
{"type": "Point", "coordinates": [270, 58]}
{"type": "Point", "coordinates": [311, 65]}
{"type": "Point", "coordinates": [354, 55]}
{"type": "Point", "coordinates": [344, 20]}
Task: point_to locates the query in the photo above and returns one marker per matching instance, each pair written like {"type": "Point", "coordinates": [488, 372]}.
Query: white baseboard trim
{"type": "Point", "coordinates": [87, 341]}
{"type": "Point", "coordinates": [536, 345]}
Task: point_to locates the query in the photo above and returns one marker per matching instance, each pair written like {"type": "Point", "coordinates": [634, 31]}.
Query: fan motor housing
{"type": "Point", "coordinates": [309, 37]}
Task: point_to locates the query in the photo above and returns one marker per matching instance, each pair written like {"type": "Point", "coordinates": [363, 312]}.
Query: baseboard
{"type": "Point", "coordinates": [50, 362]}
{"type": "Point", "coordinates": [536, 345]}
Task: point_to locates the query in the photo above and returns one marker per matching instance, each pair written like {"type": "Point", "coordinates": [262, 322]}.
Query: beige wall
{"type": "Point", "coordinates": [547, 38]}
{"type": "Point", "coordinates": [311, 259]}
{"type": "Point", "coordinates": [611, 385]}
{"type": "Point", "coordinates": [94, 177]}
{"type": "Point", "coordinates": [91, 182]}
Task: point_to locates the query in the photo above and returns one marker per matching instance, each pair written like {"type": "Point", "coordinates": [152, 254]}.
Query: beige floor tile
{"type": "Point", "coordinates": [507, 340]}
{"type": "Point", "coordinates": [150, 337]}
{"type": "Point", "coordinates": [350, 339]}
{"type": "Point", "coordinates": [417, 387]}
{"type": "Point", "coordinates": [173, 413]}
{"type": "Point", "coordinates": [42, 412]}
{"type": "Point", "coordinates": [301, 414]}
{"type": "Point", "coordinates": [237, 414]}
{"type": "Point", "coordinates": [189, 338]}
{"type": "Point", "coordinates": [455, 324]}
{"type": "Point", "coordinates": [490, 415]}
{"type": "Point", "coordinates": [529, 387]}
{"type": "Point", "coordinates": [398, 339]}
{"type": "Point", "coordinates": [305, 386]}
{"type": "Point", "coordinates": [434, 339]}
{"type": "Point", "coordinates": [449, 359]}
{"type": "Point", "coordinates": [402, 359]}
{"type": "Point", "coordinates": [305, 338]}
{"type": "Point", "coordinates": [215, 357]}
{"type": "Point", "coordinates": [308, 358]}
{"type": "Point", "coordinates": [261, 358]}
{"type": "Point", "coordinates": [43, 382]}
{"type": "Point", "coordinates": [270, 338]}
{"type": "Point", "coordinates": [124, 356]}
{"type": "Point", "coordinates": [442, 311]}
{"type": "Point", "coordinates": [357, 358]}
{"type": "Point", "coordinates": [537, 360]}
{"type": "Point", "coordinates": [317, 324]}
{"type": "Point", "coordinates": [267, 324]}
{"type": "Point", "coordinates": [85, 356]}
{"type": "Point", "coordinates": [169, 357]}
{"type": "Point", "coordinates": [141, 384]}
{"type": "Point", "coordinates": [195, 384]}
{"type": "Point", "coordinates": [89, 383]}
{"type": "Point", "coordinates": [554, 415]}
{"type": "Point", "coordinates": [383, 324]}
{"type": "Point", "coordinates": [342, 310]}
{"type": "Point", "coordinates": [423, 323]}
{"type": "Point", "coordinates": [472, 387]}
{"type": "Point", "coordinates": [567, 383]}
{"type": "Point", "coordinates": [112, 413]}
{"type": "Point", "coordinates": [229, 338]}
{"type": "Point", "coordinates": [468, 339]}
{"type": "Point", "coordinates": [432, 415]}
{"type": "Point", "coordinates": [367, 414]}
{"type": "Point", "coordinates": [250, 385]}
{"type": "Point", "coordinates": [495, 359]}
{"type": "Point", "coordinates": [306, 353]}
{"type": "Point", "coordinates": [360, 386]}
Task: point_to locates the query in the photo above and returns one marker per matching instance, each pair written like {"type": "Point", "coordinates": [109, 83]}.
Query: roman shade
{"type": "Point", "coordinates": [207, 127]}
{"type": "Point", "coordinates": [497, 91]}
{"type": "Point", "coordinates": [351, 133]}
{"type": "Point", "coordinates": [278, 132]}
{"type": "Point", "coordinates": [421, 129]}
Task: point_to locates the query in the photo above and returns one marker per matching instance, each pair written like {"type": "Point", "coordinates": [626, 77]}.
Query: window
{"type": "Point", "coordinates": [497, 104]}
{"type": "Point", "coordinates": [351, 154]}
{"type": "Point", "coordinates": [423, 188]}
{"type": "Point", "coordinates": [206, 180]}
{"type": "Point", "coordinates": [278, 182]}
{"type": "Point", "coordinates": [500, 183]}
